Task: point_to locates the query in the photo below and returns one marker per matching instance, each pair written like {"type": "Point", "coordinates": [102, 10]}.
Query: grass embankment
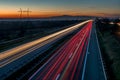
{"type": "Point", "coordinates": [110, 48]}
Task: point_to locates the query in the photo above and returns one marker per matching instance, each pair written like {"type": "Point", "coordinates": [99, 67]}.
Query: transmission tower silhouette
{"type": "Point", "coordinates": [21, 12]}
{"type": "Point", "coordinates": [28, 12]}
{"type": "Point", "coordinates": [24, 11]}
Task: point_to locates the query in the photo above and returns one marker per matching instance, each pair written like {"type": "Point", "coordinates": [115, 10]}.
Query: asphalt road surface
{"type": "Point", "coordinates": [67, 62]}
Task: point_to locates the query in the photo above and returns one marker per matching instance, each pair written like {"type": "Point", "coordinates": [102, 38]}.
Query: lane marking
{"type": "Point", "coordinates": [57, 77]}
{"type": "Point", "coordinates": [70, 55]}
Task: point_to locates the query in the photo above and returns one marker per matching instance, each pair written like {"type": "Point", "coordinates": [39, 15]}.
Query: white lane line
{"type": "Point", "coordinates": [84, 66]}
{"type": "Point", "coordinates": [70, 55]}
{"type": "Point", "coordinates": [57, 77]}
{"type": "Point", "coordinates": [100, 56]}
{"type": "Point", "coordinates": [77, 44]}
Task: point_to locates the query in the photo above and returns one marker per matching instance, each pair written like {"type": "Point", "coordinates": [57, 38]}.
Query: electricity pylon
{"type": "Point", "coordinates": [21, 12]}
{"type": "Point", "coordinates": [28, 12]}
{"type": "Point", "coordinates": [24, 11]}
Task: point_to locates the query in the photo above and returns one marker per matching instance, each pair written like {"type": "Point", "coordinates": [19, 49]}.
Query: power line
{"type": "Point", "coordinates": [20, 11]}
{"type": "Point", "coordinates": [24, 11]}
{"type": "Point", "coordinates": [28, 12]}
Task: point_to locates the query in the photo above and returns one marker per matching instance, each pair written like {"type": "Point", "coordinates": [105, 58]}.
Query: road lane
{"type": "Point", "coordinates": [61, 52]}
{"type": "Point", "coordinates": [72, 67]}
{"type": "Point", "coordinates": [54, 68]}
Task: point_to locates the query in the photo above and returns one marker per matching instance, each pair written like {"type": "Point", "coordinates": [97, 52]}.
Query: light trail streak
{"type": "Point", "coordinates": [18, 50]}
{"type": "Point", "coordinates": [65, 58]}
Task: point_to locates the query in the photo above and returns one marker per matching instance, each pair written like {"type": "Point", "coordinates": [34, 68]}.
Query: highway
{"type": "Point", "coordinates": [21, 48]}
{"type": "Point", "coordinates": [77, 59]}
{"type": "Point", "coordinates": [15, 58]}
{"type": "Point", "coordinates": [67, 62]}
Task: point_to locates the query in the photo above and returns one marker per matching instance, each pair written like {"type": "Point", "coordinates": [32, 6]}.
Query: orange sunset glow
{"type": "Point", "coordinates": [48, 14]}
{"type": "Point", "coordinates": [9, 9]}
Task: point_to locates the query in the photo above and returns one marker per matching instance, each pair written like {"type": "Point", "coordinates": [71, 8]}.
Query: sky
{"type": "Point", "coordinates": [47, 8]}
